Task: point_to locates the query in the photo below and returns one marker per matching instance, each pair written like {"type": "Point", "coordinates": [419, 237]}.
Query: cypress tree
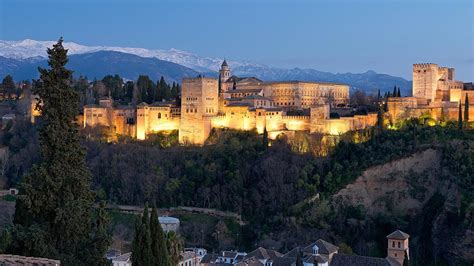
{"type": "Point", "coordinates": [265, 138]}
{"type": "Point", "coordinates": [460, 116]}
{"type": "Point", "coordinates": [158, 241]}
{"type": "Point", "coordinates": [380, 117]}
{"type": "Point", "coordinates": [141, 248]}
{"type": "Point", "coordinates": [399, 93]}
{"type": "Point", "coordinates": [466, 110]}
{"type": "Point", "coordinates": [234, 85]}
{"type": "Point", "coordinates": [219, 85]}
{"type": "Point", "coordinates": [394, 94]}
{"type": "Point", "coordinates": [378, 94]}
{"type": "Point", "coordinates": [299, 261]}
{"type": "Point", "coordinates": [406, 260]}
{"type": "Point", "coordinates": [53, 216]}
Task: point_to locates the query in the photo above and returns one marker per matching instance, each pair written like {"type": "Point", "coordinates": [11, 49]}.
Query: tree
{"type": "Point", "coordinates": [8, 86]}
{"type": "Point", "coordinates": [101, 238]}
{"type": "Point", "coordinates": [380, 117]}
{"type": "Point", "coordinates": [175, 246]}
{"type": "Point", "coordinates": [399, 93]}
{"type": "Point", "coordinates": [146, 89]}
{"type": "Point", "coordinates": [53, 215]}
{"type": "Point", "coordinates": [219, 85]}
{"type": "Point", "coordinates": [394, 94]}
{"type": "Point", "coordinates": [158, 241]}
{"type": "Point", "coordinates": [299, 261]}
{"type": "Point", "coordinates": [466, 110]}
{"type": "Point", "coordinates": [265, 138]}
{"type": "Point", "coordinates": [141, 248]}
{"type": "Point", "coordinates": [406, 260]}
{"type": "Point", "coordinates": [460, 116]}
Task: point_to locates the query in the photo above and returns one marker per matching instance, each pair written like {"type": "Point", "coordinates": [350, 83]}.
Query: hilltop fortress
{"type": "Point", "coordinates": [252, 104]}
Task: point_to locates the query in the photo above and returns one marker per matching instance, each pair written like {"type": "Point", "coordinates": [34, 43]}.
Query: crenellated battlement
{"type": "Point", "coordinates": [424, 65]}
{"type": "Point", "coordinates": [295, 117]}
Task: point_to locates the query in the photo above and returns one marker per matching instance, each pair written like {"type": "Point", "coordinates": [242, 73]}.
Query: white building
{"type": "Point", "coordinates": [169, 223]}
{"type": "Point", "coordinates": [123, 260]}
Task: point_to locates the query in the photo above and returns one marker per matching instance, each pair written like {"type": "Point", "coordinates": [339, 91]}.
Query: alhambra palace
{"type": "Point", "coordinates": [247, 103]}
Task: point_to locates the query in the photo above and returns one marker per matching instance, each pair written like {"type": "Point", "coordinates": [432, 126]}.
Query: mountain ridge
{"type": "Point", "coordinates": [29, 53]}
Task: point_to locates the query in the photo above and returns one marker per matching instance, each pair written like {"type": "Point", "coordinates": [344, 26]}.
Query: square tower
{"type": "Point", "coordinates": [397, 247]}
{"type": "Point", "coordinates": [425, 81]}
{"type": "Point", "coordinates": [199, 102]}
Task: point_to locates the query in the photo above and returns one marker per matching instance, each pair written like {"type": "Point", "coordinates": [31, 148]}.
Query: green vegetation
{"type": "Point", "coordinates": [149, 245]}
{"type": "Point", "coordinates": [53, 215]}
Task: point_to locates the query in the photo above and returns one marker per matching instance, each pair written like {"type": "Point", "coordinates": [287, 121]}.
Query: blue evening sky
{"type": "Point", "coordinates": [331, 35]}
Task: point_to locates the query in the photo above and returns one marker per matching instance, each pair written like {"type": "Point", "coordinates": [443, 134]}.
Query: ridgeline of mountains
{"type": "Point", "coordinates": [21, 59]}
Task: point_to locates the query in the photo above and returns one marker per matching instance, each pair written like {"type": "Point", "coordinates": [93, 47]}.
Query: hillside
{"type": "Point", "coordinates": [417, 179]}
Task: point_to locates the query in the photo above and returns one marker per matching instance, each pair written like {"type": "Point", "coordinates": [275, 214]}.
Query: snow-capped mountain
{"type": "Point", "coordinates": [31, 48]}
{"type": "Point", "coordinates": [21, 58]}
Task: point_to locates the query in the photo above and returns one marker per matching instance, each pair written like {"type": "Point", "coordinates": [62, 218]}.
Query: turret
{"type": "Point", "coordinates": [224, 72]}
{"type": "Point", "coordinates": [397, 247]}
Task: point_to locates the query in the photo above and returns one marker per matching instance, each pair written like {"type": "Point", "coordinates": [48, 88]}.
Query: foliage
{"type": "Point", "coordinates": [159, 246]}
{"type": "Point", "coordinates": [53, 215]}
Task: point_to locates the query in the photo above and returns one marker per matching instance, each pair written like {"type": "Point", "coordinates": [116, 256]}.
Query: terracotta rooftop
{"type": "Point", "coordinates": [355, 260]}
{"type": "Point", "coordinates": [398, 235]}
{"type": "Point", "coordinates": [6, 259]}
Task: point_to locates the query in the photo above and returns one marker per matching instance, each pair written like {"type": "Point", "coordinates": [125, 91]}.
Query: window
{"type": "Point", "coordinates": [393, 244]}
{"type": "Point", "coordinates": [159, 115]}
{"type": "Point", "coordinates": [398, 244]}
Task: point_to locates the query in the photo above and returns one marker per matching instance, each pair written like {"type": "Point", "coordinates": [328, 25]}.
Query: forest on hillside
{"type": "Point", "coordinates": [269, 185]}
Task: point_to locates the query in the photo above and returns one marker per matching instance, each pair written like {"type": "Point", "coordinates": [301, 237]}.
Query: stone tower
{"type": "Point", "coordinates": [199, 102]}
{"type": "Point", "coordinates": [425, 81]}
{"type": "Point", "coordinates": [398, 246]}
{"type": "Point", "coordinates": [224, 72]}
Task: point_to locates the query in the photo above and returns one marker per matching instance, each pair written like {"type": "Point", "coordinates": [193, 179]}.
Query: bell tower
{"type": "Point", "coordinates": [224, 72]}
{"type": "Point", "coordinates": [397, 247]}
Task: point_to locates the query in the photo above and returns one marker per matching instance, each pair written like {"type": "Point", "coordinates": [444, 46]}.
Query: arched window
{"type": "Point", "coordinates": [159, 115]}
{"type": "Point", "coordinates": [398, 244]}
{"type": "Point", "coordinates": [393, 244]}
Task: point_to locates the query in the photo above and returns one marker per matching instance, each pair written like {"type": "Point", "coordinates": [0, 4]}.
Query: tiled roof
{"type": "Point", "coordinates": [316, 258]}
{"type": "Point", "coordinates": [124, 257]}
{"type": "Point", "coordinates": [238, 104]}
{"type": "Point", "coordinates": [263, 253]}
{"type": "Point", "coordinates": [324, 247]}
{"type": "Point", "coordinates": [255, 97]}
{"type": "Point", "coordinates": [298, 81]}
{"type": "Point", "coordinates": [245, 91]}
{"type": "Point", "coordinates": [6, 259]}
{"type": "Point", "coordinates": [355, 260]}
{"type": "Point", "coordinates": [93, 106]}
{"type": "Point", "coordinates": [229, 254]}
{"type": "Point", "coordinates": [209, 258]}
{"type": "Point", "coordinates": [398, 235]}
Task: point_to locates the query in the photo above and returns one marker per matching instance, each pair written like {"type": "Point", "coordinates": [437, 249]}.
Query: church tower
{"type": "Point", "coordinates": [224, 72]}
{"type": "Point", "coordinates": [397, 247]}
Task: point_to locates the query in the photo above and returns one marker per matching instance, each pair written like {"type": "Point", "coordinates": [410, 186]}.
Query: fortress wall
{"type": "Point", "coordinates": [164, 124]}
{"type": "Point", "coordinates": [297, 122]}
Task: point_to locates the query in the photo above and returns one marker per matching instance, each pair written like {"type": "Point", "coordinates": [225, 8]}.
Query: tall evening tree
{"type": "Point", "coordinates": [466, 109]}
{"type": "Point", "coordinates": [175, 245]}
{"type": "Point", "coordinates": [460, 116]}
{"type": "Point", "coordinates": [53, 215]}
{"type": "Point", "coordinates": [141, 248]}
{"type": "Point", "coordinates": [158, 241]}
